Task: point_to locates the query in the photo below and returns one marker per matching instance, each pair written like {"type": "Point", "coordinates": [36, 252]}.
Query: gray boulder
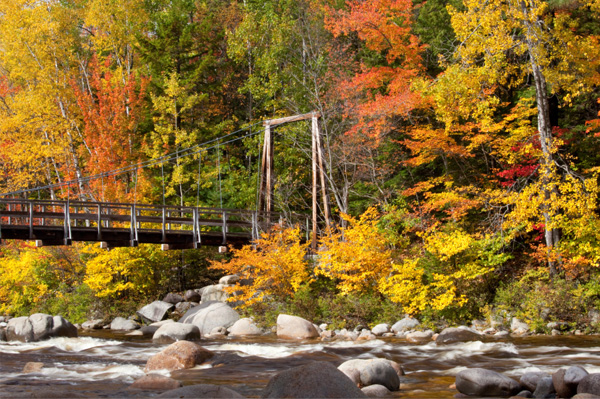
{"type": "Point", "coordinates": [419, 337]}
{"type": "Point", "coordinates": [156, 311]}
{"type": "Point", "coordinates": [545, 388]}
{"type": "Point", "coordinates": [214, 293]}
{"type": "Point", "coordinates": [312, 380]}
{"type": "Point", "coordinates": [518, 327]}
{"type": "Point", "coordinates": [120, 323]}
{"type": "Point", "coordinates": [482, 382]}
{"type": "Point", "coordinates": [192, 296]}
{"type": "Point", "coordinates": [209, 315]}
{"type": "Point", "coordinates": [201, 391]}
{"type": "Point", "coordinates": [589, 384]}
{"type": "Point", "coordinates": [173, 298]}
{"type": "Point", "coordinates": [229, 280]}
{"type": "Point", "coordinates": [365, 372]}
{"type": "Point", "coordinates": [377, 391]}
{"type": "Point", "coordinates": [406, 324]}
{"type": "Point", "coordinates": [244, 327]}
{"type": "Point", "coordinates": [457, 334]}
{"type": "Point", "coordinates": [95, 324]}
{"type": "Point", "coordinates": [573, 376]}
{"type": "Point", "coordinates": [2, 335]}
{"type": "Point", "coordinates": [380, 329]}
{"type": "Point", "coordinates": [62, 328]}
{"type": "Point", "coordinates": [38, 327]}
{"type": "Point", "coordinates": [171, 332]}
{"type": "Point", "coordinates": [530, 380]}
{"type": "Point", "coordinates": [294, 327]}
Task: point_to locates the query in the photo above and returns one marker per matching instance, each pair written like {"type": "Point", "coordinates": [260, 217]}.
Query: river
{"type": "Point", "coordinates": [104, 364]}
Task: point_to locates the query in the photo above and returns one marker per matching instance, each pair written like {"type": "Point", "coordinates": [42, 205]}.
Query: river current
{"type": "Point", "coordinates": [104, 364]}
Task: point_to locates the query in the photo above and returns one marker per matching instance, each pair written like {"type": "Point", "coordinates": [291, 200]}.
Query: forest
{"type": "Point", "coordinates": [458, 140]}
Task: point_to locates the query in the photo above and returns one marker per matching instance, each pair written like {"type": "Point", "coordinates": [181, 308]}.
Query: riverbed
{"type": "Point", "coordinates": [104, 364]}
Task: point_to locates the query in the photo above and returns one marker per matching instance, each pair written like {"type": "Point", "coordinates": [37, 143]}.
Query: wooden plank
{"type": "Point", "coordinates": [279, 121]}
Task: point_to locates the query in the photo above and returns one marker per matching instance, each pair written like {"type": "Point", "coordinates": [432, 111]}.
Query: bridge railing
{"type": "Point", "coordinates": [137, 218]}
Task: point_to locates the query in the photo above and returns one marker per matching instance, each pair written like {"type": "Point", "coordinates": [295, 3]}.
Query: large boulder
{"type": "Point", "coordinates": [229, 280]}
{"type": "Point", "coordinates": [156, 311]}
{"type": "Point", "coordinates": [518, 327]}
{"type": "Point", "coordinates": [171, 332]}
{"type": "Point", "coordinates": [294, 327]}
{"type": "Point", "coordinates": [312, 380]}
{"type": "Point", "coordinates": [365, 372]}
{"type": "Point", "coordinates": [589, 384]}
{"type": "Point", "coordinates": [2, 334]}
{"type": "Point", "coordinates": [173, 298]}
{"type": "Point", "coordinates": [95, 324]}
{"type": "Point", "coordinates": [123, 324]}
{"type": "Point", "coordinates": [244, 327]}
{"type": "Point", "coordinates": [192, 296]}
{"type": "Point", "coordinates": [545, 388]}
{"type": "Point", "coordinates": [214, 293]}
{"type": "Point", "coordinates": [37, 327]}
{"type": "Point", "coordinates": [177, 356]}
{"type": "Point", "coordinates": [406, 324]}
{"type": "Point", "coordinates": [482, 382]}
{"type": "Point", "coordinates": [380, 329]}
{"type": "Point", "coordinates": [564, 389]}
{"type": "Point", "coordinates": [530, 380]}
{"type": "Point", "coordinates": [201, 391]}
{"type": "Point", "coordinates": [209, 315]}
{"type": "Point", "coordinates": [419, 337]}
{"type": "Point", "coordinates": [457, 334]}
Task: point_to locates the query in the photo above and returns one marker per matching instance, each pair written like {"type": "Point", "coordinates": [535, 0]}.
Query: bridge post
{"type": "Point", "coordinates": [99, 222]}
{"type": "Point", "coordinates": [67, 218]}
{"type": "Point", "coordinates": [134, 231]}
{"type": "Point", "coordinates": [224, 228]}
{"type": "Point", "coordinates": [31, 221]}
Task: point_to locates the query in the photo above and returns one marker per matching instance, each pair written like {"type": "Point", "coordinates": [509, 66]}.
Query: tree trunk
{"type": "Point", "coordinates": [551, 235]}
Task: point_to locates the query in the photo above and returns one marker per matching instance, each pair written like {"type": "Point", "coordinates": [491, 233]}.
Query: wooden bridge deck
{"type": "Point", "coordinates": [120, 224]}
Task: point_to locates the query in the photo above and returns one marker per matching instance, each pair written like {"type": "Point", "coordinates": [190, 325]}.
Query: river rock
{"type": "Point", "coordinates": [294, 327]}
{"type": "Point", "coordinates": [192, 296]}
{"type": "Point", "coordinates": [177, 356]}
{"type": "Point", "coordinates": [376, 391]}
{"type": "Point", "coordinates": [2, 335]}
{"type": "Point", "coordinates": [562, 389]}
{"type": "Point", "coordinates": [201, 391]}
{"type": "Point", "coordinates": [214, 293]}
{"type": "Point", "coordinates": [544, 388]}
{"type": "Point", "coordinates": [120, 323]}
{"type": "Point", "coordinates": [156, 311]}
{"type": "Point", "coordinates": [419, 337]}
{"type": "Point", "coordinates": [530, 380]}
{"type": "Point", "coordinates": [183, 307]}
{"type": "Point", "coordinates": [406, 324]}
{"type": "Point", "coordinates": [172, 298]}
{"type": "Point", "coordinates": [457, 334]}
{"type": "Point", "coordinates": [156, 382]}
{"type": "Point", "coordinates": [573, 376]}
{"type": "Point", "coordinates": [62, 328]}
{"type": "Point", "coordinates": [170, 332]}
{"type": "Point", "coordinates": [244, 327]}
{"type": "Point", "coordinates": [229, 280]}
{"type": "Point", "coordinates": [95, 324]}
{"type": "Point", "coordinates": [32, 367]}
{"type": "Point", "coordinates": [518, 327]}
{"type": "Point", "coordinates": [365, 372]}
{"type": "Point", "coordinates": [37, 327]}
{"type": "Point", "coordinates": [589, 384]}
{"type": "Point", "coordinates": [312, 380]}
{"type": "Point", "coordinates": [482, 382]}
{"type": "Point", "coordinates": [380, 329]}
{"type": "Point", "coordinates": [523, 394]}
{"type": "Point", "coordinates": [209, 315]}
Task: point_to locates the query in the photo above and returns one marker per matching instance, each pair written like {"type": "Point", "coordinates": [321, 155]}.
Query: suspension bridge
{"type": "Point", "coordinates": [61, 222]}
